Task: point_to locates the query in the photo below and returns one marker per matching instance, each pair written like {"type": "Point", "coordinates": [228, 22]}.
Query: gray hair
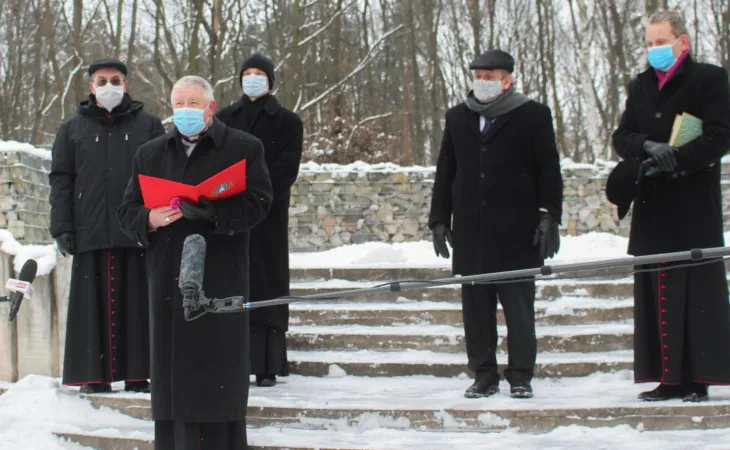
{"type": "Point", "coordinates": [195, 81]}
{"type": "Point", "coordinates": [675, 19]}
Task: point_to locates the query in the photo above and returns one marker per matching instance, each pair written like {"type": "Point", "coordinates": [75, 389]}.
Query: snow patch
{"type": "Point", "coordinates": [336, 371]}
{"type": "Point", "coordinates": [14, 146]}
{"type": "Point", "coordinates": [45, 255]}
{"type": "Point", "coordinates": [492, 420]}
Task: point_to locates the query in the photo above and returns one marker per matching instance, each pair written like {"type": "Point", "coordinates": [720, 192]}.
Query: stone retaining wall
{"type": "Point", "coordinates": [331, 205]}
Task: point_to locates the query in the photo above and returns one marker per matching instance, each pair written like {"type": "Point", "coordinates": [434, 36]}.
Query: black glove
{"type": "Point", "coordinates": [66, 243]}
{"type": "Point", "coordinates": [441, 234]}
{"type": "Point", "coordinates": [204, 211]}
{"type": "Point", "coordinates": [662, 154]}
{"type": "Point", "coordinates": [547, 237]}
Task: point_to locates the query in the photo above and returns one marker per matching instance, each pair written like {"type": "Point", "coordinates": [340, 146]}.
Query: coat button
{"type": "Point", "coordinates": [484, 203]}
{"type": "Point", "coordinates": [481, 175]}
{"type": "Point", "coordinates": [484, 148]}
{"type": "Point", "coordinates": [658, 115]}
{"type": "Point", "coordinates": [231, 233]}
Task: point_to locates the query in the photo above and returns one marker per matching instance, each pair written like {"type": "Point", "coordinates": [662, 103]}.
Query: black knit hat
{"type": "Point", "coordinates": [259, 61]}
{"type": "Point", "coordinates": [494, 59]}
{"type": "Point", "coordinates": [107, 64]}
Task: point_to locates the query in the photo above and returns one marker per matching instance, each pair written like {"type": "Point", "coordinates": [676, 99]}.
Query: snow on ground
{"type": "Point", "coordinates": [36, 406]}
{"type": "Point", "coordinates": [589, 246]}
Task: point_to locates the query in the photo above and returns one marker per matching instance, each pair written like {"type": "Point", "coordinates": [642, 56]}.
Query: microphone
{"type": "Point", "coordinates": [22, 286]}
{"type": "Point", "coordinates": [192, 268]}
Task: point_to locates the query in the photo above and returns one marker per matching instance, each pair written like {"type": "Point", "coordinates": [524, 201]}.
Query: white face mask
{"type": "Point", "coordinates": [109, 96]}
{"type": "Point", "coordinates": [486, 90]}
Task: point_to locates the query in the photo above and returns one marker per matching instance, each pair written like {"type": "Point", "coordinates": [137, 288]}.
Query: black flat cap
{"type": "Point", "coordinates": [107, 64]}
{"type": "Point", "coordinates": [621, 186]}
{"type": "Point", "coordinates": [492, 60]}
{"type": "Point", "coordinates": [259, 61]}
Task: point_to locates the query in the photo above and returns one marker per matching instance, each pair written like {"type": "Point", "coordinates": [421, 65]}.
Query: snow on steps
{"type": "Point", "coordinates": [562, 311]}
{"type": "Point", "coordinates": [428, 403]}
{"type": "Point", "coordinates": [622, 437]}
{"type": "Point", "coordinates": [450, 339]}
{"type": "Point", "coordinates": [372, 363]}
{"type": "Point", "coordinates": [546, 290]}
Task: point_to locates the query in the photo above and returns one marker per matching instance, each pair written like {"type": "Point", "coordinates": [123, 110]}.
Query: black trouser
{"type": "Point", "coordinates": [479, 306]}
{"type": "Point", "coordinates": [177, 435]}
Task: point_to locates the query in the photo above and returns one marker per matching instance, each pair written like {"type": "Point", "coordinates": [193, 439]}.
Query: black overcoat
{"type": "Point", "coordinates": [92, 162]}
{"type": "Point", "coordinates": [494, 186]}
{"type": "Point", "coordinates": [200, 369]}
{"type": "Point", "coordinates": [281, 132]}
{"type": "Point", "coordinates": [681, 316]}
{"type": "Point", "coordinates": [676, 214]}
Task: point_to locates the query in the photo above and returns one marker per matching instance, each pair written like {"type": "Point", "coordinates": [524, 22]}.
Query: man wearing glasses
{"type": "Point", "coordinates": [107, 332]}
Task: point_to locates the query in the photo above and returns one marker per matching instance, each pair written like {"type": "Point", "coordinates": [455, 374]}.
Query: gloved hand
{"type": "Point", "coordinates": [547, 237]}
{"type": "Point", "coordinates": [66, 243]}
{"type": "Point", "coordinates": [662, 154]}
{"type": "Point", "coordinates": [441, 234]}
{"type": "Point", "coordinates": [204, 211]}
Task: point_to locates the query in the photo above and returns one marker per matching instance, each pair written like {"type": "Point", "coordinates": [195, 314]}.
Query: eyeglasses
{"type": "Point", "coordinates": [114, 81]}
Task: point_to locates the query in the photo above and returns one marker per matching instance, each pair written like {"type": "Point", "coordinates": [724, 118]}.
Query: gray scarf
{"type": "Point", "coordinates": [508, 101]}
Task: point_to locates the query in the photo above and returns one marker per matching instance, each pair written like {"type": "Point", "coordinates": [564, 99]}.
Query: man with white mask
{"type": "Point", "coordinates": [497, 200]}
{"type": "Point", "coordinates": [281, 131]}
{"type": "Point", "coordinates": [107, 337]}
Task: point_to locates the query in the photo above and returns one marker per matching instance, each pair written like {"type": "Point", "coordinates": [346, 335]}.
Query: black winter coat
{"type": "Point", "coordinates": [677, 214]}
{"type": "Point", "coordinates": [200, 369]}
{"type": "Point", "coordinates": [92, 162]}
{"type": "Point", "coordinates": [495, 185]}
{"type": "Point", "coordinates": [281, 131]}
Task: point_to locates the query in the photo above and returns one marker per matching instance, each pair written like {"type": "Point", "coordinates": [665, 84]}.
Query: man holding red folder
{"type": "Point", "coordinates": [200, 369]}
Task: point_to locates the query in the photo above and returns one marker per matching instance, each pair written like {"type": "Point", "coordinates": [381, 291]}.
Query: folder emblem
{"type": "Point", "coordinates": [222, 188]}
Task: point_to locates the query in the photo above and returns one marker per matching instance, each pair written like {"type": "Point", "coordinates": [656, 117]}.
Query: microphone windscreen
{"type": "Point", "coordinates": [28, 271]}
{"type": "Point", "coordinates": [192, 265]}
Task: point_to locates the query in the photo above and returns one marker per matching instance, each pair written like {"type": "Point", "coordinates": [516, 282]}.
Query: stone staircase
{"type": "Point", "coordinates": [395, 363]}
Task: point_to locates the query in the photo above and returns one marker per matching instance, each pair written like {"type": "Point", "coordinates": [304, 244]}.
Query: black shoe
{"type": "Point", "coordinates": [696, 393]}
{"type": "Point", "coordinates": [662, 392]}
{"type": "Point", "coordinates": [482, 389]}
{"type": "Point", "coordinates": [137, 386]}
{"type": "Point", "coordinates": [97, 388]}
{"type": "Point", "coordinates": [520, 390]}
{"type": "Point", "coordinates": [265, 380]}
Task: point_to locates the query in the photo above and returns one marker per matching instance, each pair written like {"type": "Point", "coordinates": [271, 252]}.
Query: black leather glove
{"type": "Point", "coordinates": [66, 243]}
{"type": "Point", "coordinates": [547, 237]}
{"type": "Point", "coordinates": [204, 211]}
{"type": "Point", "coordinates": [662, 154]}
{"type": "Point", "coordinates": [441, 234]}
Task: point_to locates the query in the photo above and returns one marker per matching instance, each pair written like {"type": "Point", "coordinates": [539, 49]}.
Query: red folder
{"type": "Point", "coordinates": [227, 183]}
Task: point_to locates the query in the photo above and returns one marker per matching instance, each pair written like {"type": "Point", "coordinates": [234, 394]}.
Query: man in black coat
{"type": "Point", "coordinates": [498, 177]}
{"type": "Point", "coordinates": [200, 369]}
{"type": "Point", "coordinates": [682, 317]}
{"type": "Point", "coordinates": [107, 337]}
{"type": "Point", "coordinates": [281, 131]}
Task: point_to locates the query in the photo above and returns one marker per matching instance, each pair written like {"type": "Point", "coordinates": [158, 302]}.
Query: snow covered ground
{"type": "Point", "coordinates": [589, 246]}
{"type": "Point", "coordinates": [35, 407]}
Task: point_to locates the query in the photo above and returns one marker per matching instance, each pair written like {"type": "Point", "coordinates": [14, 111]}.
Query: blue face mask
{"type": "Point", "coordinates": [662, 57]}
{"type": "Point", "coordinates": [255, 85]}
{"type": "Point", "coordinates": [189, 121]}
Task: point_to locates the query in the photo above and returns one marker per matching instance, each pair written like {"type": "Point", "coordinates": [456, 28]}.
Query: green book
{"type": "Point", "coordinates": [686, 128]}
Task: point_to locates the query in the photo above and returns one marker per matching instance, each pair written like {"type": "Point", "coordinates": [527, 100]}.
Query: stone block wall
{"type": "Point", "coordinates": [330, 205]}
{"type": "Point", "coordinates": [24, 191]}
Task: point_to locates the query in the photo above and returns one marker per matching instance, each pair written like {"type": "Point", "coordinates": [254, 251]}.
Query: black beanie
{"type": "Point", "coordinates": [107, 64]}
{"type": "Point", "coordinates": [259, 61]}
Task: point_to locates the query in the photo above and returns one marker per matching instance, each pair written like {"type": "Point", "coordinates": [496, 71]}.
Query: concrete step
{"type": "Point", "coordinates": [444, 338]}
{"type": "Point", "coordinates": [563, 311]}
{"type": "Point", "coordinates": [370, 363]}
{"type": "Point", "coordinates": [426, 403]}
{"type": "Point", "coordinates": [546, 290]}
